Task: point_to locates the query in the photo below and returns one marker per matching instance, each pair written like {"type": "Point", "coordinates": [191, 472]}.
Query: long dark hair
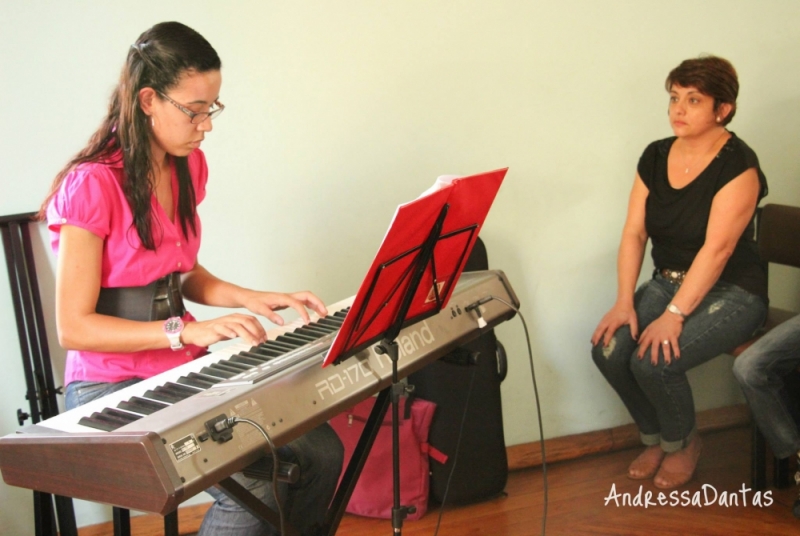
{"type": "Point", "coordinates": [157, 60]}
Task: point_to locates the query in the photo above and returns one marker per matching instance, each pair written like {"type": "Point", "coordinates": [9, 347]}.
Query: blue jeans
{"type": "Point", "coordinates": [319, 454]}
{"type": "Point", "coordinates": [659, 397]}
{"type": "Point", "coordinates": [79, 393]}
{"type": "Point", "coordinates": [760, 371]}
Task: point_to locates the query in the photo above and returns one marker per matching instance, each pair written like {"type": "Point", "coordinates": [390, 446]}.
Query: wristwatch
{"type": "Point", "coordinates": [173, 327]}
{"type": "Point", "coordinates": [672, 308]}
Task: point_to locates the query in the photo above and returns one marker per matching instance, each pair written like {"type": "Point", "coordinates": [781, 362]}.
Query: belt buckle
{"type": "Point", "coordinates": [673, 276]}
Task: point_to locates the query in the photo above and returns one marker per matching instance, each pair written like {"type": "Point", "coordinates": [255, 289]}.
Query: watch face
{"type": "Point", "coordinates": [173, 325]}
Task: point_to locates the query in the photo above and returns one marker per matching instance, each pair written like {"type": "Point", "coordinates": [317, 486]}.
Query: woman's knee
{"type": "Point", "coordinates": [747, 371]}
{"type": "Point", "coordinates": [613, 357]}
{"type": "Point", "coordinates": [643, 368]}
{"type": "Point", "coordinates": [319, 449]}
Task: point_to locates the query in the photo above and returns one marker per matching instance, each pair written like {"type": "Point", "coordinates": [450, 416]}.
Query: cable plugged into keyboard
{"type": "Point", "coordinates": [476, 306]}
{"type": "Point", "coordinates": [220, 428]}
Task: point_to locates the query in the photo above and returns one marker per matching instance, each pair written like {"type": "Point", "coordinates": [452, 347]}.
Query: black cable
{"type": "Point", "coordinates": [231, 422]}
{"type": "Point", "coordinates": [458, 448]}
{"type": "Point", "coordinates": [538, 406]}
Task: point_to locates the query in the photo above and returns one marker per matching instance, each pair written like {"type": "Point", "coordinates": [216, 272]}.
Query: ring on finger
{"type": "Point", "coordinates": [665, 342]}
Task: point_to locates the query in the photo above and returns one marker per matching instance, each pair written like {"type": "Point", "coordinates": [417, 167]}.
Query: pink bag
{"type": "Point", "coordinates": [373, 494]}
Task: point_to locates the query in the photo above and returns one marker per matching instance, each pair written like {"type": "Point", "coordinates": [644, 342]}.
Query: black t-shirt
{"type": "Point", "coordinates": [676, 219]}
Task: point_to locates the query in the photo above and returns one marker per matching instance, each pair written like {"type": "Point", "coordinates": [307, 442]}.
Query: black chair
{"type": "Point", "coordinates": [50, 519]}
{"type": "Point", "coordinates": [778, 243]}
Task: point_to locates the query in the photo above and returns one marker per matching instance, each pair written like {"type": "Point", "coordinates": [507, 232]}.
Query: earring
{"type": "Point", "coordinates": [719, 119]}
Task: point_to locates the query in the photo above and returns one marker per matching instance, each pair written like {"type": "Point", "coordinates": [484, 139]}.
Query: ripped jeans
{"type": "Point", "coordinates": [659, 397]}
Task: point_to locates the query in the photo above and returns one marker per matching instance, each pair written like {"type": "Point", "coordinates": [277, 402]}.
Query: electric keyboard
{"type": "Point", "coordinates": [147, 448]}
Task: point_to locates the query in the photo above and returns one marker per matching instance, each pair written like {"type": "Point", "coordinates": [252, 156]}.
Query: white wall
{"type": "Point", "coordinates": [338, 111]}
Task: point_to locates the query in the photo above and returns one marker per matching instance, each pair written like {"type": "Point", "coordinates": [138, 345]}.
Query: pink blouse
{"type": "Point", "coordinates": [91, 197]}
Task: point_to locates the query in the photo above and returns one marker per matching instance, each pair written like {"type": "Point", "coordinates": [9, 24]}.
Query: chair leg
{"type": "Point", "coordinates": [122, 521]}
{"type": "Point", "coordinates": [782, 473]}
{"type": "Point", "coordinates": [171, 524]}
{"type": "Point", "coordinates": [758, 460]}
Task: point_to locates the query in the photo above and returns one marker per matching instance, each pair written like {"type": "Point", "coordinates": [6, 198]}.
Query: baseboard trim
{"type": "Point", "coordinates": [612, 439]}
{"type": "Point", "coordinates": [521, 456]}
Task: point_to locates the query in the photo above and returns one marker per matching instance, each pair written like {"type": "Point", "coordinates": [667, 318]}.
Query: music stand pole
{"type": "Point", "coordinates": [389, 347]}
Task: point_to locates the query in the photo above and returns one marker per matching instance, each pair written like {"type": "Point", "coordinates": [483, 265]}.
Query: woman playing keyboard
{"type": "Point", "coordinates": [123, 222]}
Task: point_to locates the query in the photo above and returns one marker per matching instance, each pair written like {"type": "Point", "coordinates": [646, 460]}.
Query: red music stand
{"type": "Point", "coordinates": [411, 278]}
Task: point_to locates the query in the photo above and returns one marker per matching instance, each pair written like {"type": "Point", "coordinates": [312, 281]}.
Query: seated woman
{"type": "Point", "coordinates": [695, 196]}
{"type": "Point", "coordinates": [124, 225]}
{"type": "Point", "coordinates": [760, 370]}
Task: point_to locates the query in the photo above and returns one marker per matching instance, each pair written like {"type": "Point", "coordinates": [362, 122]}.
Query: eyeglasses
{"type": "Point", "coordinates": [195, 117]}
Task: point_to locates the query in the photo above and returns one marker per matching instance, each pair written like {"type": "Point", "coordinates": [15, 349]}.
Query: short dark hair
{"type": "Point", "coordinates": [712, 76]}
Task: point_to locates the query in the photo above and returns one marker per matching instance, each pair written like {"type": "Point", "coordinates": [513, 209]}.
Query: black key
{"type": "Point", "coordinates": [141, 406]}
{"type": "Point", "coordinates": [160, 395]}
{"type": "Point", "coordinates": [218, 372]}
{"type": "Point", "coordinates": [236, 368]}
{"type": "Point", "coordinates": [292, 343]}
{"type": "Point", "coordinates": [195, 382]}
{"type": "Point", "coordinates": [311, 332]}
{"type": "Point", "coordinates": [203, 377]}
{"type": "Point", "coordinates": [180, 389]}
{"type": "Point", "coordinates": [300, 338]}
{"type": "Point", "coordinates": [170, 393]}
{"type": "Point", "coordinates": [248, 360]}
{"type": "Point", "coordinates": [98, 422]}
{"type": "Point", "coordinates": [257, 353]}
{"type": "Point", "coordinates": [104, 421]}
{"type": "Point", "coordinates": [123, 416]}
{"type": "Point", "coordinates": [278, 346]}
{"type": "Point", "coordinates": [335, 323]}
{"type": "Point", "coordinates": [321, 328]}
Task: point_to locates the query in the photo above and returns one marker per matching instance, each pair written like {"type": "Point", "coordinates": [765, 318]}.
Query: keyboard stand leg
{"type": "Point", "coordinates": [122, 521]}
{"type": "Point", "coordinates": [249, 502]}
{"type": "Point", "coordinates": [67, 525]}
{"type": "Point", "coordinates": [171, 524]}
{"type": "Point", "coordinates": [43, 514]}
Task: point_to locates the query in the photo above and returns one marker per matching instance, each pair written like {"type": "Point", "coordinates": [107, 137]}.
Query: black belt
{"type": "Point", "coordinates": [159, 300]}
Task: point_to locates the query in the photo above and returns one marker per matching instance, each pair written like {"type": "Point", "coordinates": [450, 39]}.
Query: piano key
{"type": "Point", "coordinates": [178, 388]}
{"type": "Point", "coordinates": [102, 421]}
{"type": "Point", "coordinates": [196, 380]}
{"type": "Point", "coordinates": [213, 370]}
{"type": "Point", "coordinates": [122, 415]}
{"type": "Point", "coordinates": [279, 345]}
{"type": "Point", "coordinates": [262, 353]}
{"type": "Point", "coordinates": [141, 406]}
{"type": "Point", "coordinates": [248, 360]}
{"type": "Point", "coordinates": [299, 337]}
{"type": "Point", "coordinates": [293, 344]}
{"type": "Point", "coordinates": [233, 366]}
{"type": "Point", "coordinates": [316, 331]}
{"type": "Point", "coordinates": [333, 322]}
{"type": "Point", "coordinates": [159, 394]}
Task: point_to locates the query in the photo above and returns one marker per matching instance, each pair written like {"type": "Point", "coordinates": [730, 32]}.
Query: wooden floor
{"type": "Point", "coordinates": [578, 490]}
